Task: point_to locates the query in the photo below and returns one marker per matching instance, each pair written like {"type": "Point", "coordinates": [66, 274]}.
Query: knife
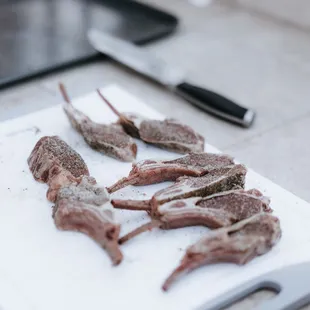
{"type": "Point", "coordinates": [143, 62]}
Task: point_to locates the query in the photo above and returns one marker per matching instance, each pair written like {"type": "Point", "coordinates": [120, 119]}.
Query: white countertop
{"type": "Point", "coordinates": [254, 60]}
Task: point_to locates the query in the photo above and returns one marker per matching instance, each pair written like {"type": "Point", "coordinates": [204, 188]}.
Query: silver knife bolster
{"type": "Point", "coordinates": [136, 58]}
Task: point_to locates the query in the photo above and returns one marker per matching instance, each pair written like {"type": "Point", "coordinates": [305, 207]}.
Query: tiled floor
{"type": "Point", "coordinates": [255, 61]}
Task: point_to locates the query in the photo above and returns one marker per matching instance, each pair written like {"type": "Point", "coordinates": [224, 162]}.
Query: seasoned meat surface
{"type": "Point", "coordinates": [54, 162]}
{"type": "Point", "coordinates": [237, 244]}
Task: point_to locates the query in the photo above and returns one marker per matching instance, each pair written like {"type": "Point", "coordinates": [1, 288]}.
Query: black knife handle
{"type": "Point", "coordinates": [216, 104]}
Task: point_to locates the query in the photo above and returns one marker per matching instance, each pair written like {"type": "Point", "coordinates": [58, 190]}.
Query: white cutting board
{"type": "Point", "coordinates": [67, 270]}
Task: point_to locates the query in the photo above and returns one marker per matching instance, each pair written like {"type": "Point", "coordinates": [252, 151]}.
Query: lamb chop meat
{"type": "Point", "coordinates": [218, 210]}
{"type": "Point", "coordinates": [168, 134]}
{"type": "Point", "coordinates": [155, 171]}
{"type": "Point", "coordinates": [80, 204]}
{"type": "Point", "coordinates": [86, 208]}
{"type": "Point", "coordinates": [54, 162]}
{"type": "Point", "coordinates": [238, 244]}
{"type": "Point", "coordinates": [111, 139]}
{"type": "Point", "coordinates": [218, 180]}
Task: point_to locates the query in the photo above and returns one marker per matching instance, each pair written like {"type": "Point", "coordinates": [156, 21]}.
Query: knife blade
{"type": "Point", "coordinates": [155, 68]}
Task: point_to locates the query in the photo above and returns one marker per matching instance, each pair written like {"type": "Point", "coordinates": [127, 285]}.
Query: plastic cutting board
{"type": "Point", "coordinates": [67, 270]}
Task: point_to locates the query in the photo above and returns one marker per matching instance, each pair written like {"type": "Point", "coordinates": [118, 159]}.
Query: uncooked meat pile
{"type": "Point", "coordinates": [208, 190]}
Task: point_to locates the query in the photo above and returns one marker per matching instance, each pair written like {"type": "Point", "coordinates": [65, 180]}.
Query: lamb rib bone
{"type": "Point", "coordinates": [54, 162]}
{"type": "Point", "coordinates": [111, 139]}
{"type": "Point", "coordinates": [86, 208]}
{"type": "Point", "coordinates": [168, 134]}
{"type": "Point", "coordinates": [238, 244]}
{"type": "Point", "coordinates": [218, 210]}
{"type": "Point", "coordinates": [156, 171]}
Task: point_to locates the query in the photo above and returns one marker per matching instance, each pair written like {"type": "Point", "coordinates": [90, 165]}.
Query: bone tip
{"type": "Point", "coordinates": [115, 254]}
{"type": "Point", "coordinates": [117, 260]}
{"type": "Point", "coordinates": [63, 92]}
{"type": "Point", "coordinates": [165, 287]}
{"type": "Point", "coordinates": [168, 283]}
{"type": "Point", "coordinates": [62, 88]}
{"type": "Point", "coordinates": [103, 97]}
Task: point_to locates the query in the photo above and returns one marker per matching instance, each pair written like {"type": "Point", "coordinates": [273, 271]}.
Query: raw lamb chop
{"type": "Point", "coordinates": [156, 171]}
{"type": "Point", "coordinates": [219, 180]}
{"type": "Point", "coordinates": [54, 162]}
{"type": "Point", "coordinates": [218, 210]}
{"type": "Point", "coordinates": [236, 244]}
{"type": "Point", "coordinates": [168, 134]}
{"type": "Point", "coordinates": [86, 208]}
{"type": "Point", "coordinates": [111, 140]}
